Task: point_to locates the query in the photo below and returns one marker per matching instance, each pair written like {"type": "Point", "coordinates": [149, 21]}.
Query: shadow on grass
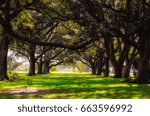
{"type": "Point", "coordinates": [85, 86]}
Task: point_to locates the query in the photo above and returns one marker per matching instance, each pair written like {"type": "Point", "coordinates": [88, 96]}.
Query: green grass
{"type": "Point", "coordinates": [72, 85]}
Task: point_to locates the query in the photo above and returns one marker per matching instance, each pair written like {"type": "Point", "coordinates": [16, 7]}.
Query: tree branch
{"type": "Point", "coordinates": [36, 40]}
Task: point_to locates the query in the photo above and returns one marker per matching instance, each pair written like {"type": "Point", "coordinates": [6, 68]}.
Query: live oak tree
{"type": "Point", "coordinates": [93, 57]}
{"type": "Point", "coordinates": [128, 20]}
{"type": "Point", "coordinates": [8, 11]}
{"type": "Point", "coordinates": [53, 58]}
{"type": "Point", "coordinates": [25, 25]}
{"type": "Point", "coordinates": [134, 19]}
{"type": "Point", "coordinates": [129, 62]}
{"type": "Point", "coordinates": [129, 15]}
{"type": "Point", "coordinates": [118, 53]}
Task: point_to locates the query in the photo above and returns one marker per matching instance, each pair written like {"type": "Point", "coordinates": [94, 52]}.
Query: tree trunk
{"type": "Point", "coordinates": [31, 67]}
{"type": "Point", "coordinates": [40, 65]}
{"type": "Point", "coordinates": [99, 70]}
{"type": "Point", "coordinates": [106, 70]}
{"type": "Point", "coordinates": [39, 68]}
{"type": "Point", "coordinates": [32, 61]}
{"type": "Point", "coordinates": [143, 72]}
{"type": "Point", "coordinates": [99, 66]}
{"type": "Point", "coordinates": [46, 67]}
{"type": "Point", "coordinates": [144, 69]}
{"type": "Point", "coordinates": [93, 70]}
{"type": "Point", "coordinates": [126, 70]}
{"type": "Point", "coordinates": [3, 57]}
{"type": "Point", "coordinates": [118, 71]}
{"type": "Point", "coordinates": [117, 64]}
{"type": "Point", "coordinates": [106, 43]}
{"type": "Point", "coordinates": [144, 66]}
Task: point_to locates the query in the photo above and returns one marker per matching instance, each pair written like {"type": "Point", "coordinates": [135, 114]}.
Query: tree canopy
{"type": "Point", "coordinates": [121, 26]}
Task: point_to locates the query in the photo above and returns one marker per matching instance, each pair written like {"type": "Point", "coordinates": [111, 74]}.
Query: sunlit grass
{"type": "Point", "coordinates": [72, 86]}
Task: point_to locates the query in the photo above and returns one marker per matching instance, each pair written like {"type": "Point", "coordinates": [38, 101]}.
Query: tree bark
{"type": "Point", "coordinates": [144, 65]}
{"type": "Point", "coordinates": [106, 43]}
{"type": "Point", "coordinates": [40, 65]}
{"type": "Point", "coordinates": [39, 68]}
{"type": "Point", "coordinates": [46, 67]}
{"type": "Point", "coordinates": [106, 70]}
{"type": "Point", "coordinates": [31, 67]}
{"type": "Point", "coordinates": [32, 61]}
{"type": "Point", "coordinates": [93, 70]}
{"type": "Point", "coordinates": [118, 72]}
{"type": "Point", "coordinates": [144, 68]}
{"type": "Point", "coordinates": [100, 65]}
{"type": "Point", "coordinates": [143, 72]}
{"type": "Point", "coordinates": [3, 57]}
{"type": "Point", "coordinates": [99, 70]}
{"type": "Point", "coordinates": [126, 70]}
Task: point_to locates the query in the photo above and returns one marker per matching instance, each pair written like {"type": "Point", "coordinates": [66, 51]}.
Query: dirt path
{"type": "Point", "coordinates": [20, 90]}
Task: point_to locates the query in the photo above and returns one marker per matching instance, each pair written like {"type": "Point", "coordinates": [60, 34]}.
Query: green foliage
{"type": "Point", "coordinates": [79, 66]}
{"type": "Point", "coordinates": [23, 20]}
{"type": "Point", "coordinates": [53, 69]}
{"type": "Point", "coordinates": [14, 77]}
{"type": "Point", "coordinates": [12, 61]}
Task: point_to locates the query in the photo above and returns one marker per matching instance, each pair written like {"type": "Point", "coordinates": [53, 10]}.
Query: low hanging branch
{"type": "Point", "coordinates": [36, 40]}
{"type": "Point", "coordinates": [58, 63]}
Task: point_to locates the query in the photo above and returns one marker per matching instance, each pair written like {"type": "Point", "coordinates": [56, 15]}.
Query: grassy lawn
{"type": "Point", "coordinates": [72, 85]}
